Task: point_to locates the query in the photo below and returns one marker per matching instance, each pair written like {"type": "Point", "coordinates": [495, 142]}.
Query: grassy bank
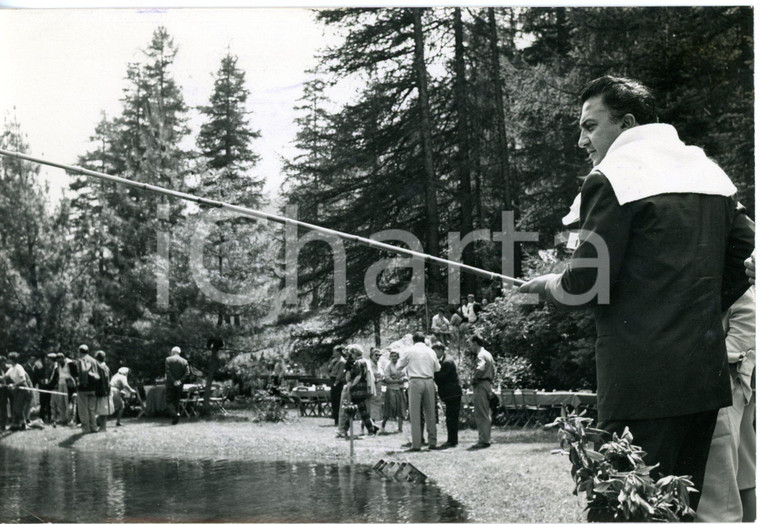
{"type": "Point", "coordinates": [517, 479]}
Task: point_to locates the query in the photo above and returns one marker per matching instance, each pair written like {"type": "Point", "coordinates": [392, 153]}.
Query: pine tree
{"type": "Point", "coordinates": [225, 139]}
{"type": "Point", "coordinates": [227, 155]}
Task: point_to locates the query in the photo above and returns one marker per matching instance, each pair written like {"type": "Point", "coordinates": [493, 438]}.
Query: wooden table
{"type": "Point", "coordinates": [549, 398]}
{"type": "Point", "coordinates": [313, 401]}
{"type": "Point", "coordinates": [155, 398]}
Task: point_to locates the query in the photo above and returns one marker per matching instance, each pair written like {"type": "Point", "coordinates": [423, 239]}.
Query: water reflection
{"type": "Point", "coordinates": [66, 486]}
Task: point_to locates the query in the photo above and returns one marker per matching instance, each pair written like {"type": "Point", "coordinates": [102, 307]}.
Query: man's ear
{"type": "Point", "coordinates": [628, 121]}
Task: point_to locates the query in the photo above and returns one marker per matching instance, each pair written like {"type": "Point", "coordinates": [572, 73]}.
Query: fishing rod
{"type": "Point", "coordinates": [269, 216]}
{"type": "Point", "coordinates": [38, 390]}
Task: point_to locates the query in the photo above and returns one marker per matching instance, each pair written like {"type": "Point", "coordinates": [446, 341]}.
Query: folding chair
{"type": "Point", "coordinates": [324, 404]}
{"type": "Point", "coordinates": [217, 401]}
{"type": "Point", "coordinates": [513, 410]}
{"type": "Point", "coordinates": [533, 411]}
{"type": "Point", "coordinates": [188, 406]}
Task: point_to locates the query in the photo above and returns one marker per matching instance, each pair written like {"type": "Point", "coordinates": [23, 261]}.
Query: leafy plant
{"type": "Point", "coordinates": [268, 408]}
{"type": "Point", "coordinates": [515, 372]}
{"type": "Point", "coordinates": [618, 484]}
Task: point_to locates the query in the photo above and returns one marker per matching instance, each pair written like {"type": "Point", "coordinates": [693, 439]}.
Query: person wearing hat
{"type": "Point", "coordinates": [177, 370]}
{"type": "Point", "coordinates": [120, 390]}
{"type": "Point", "coordinates": [62, 379]}
{"type": "Point", "coordinates": [88, 376]}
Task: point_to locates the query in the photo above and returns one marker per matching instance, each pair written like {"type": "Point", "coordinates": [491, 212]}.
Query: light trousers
{"type": "Point", "coordinates": [731, 462]}
{"type": "Point", "coordinates": [481, 393]}
{"type": "Point", "coordinates": [422, 399]}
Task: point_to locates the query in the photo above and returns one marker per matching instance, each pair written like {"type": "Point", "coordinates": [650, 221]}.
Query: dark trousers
{"type": "Point", "coordinates": [21, 399]}
{"type": "Point", "coordinates": [679, 444]}
{"type": "Point", "coordinates": [45, 410]}
{"type": "Point", "coordinates": [173, 396]}
{"type": "Point", "coordinates": [453, 407]}
{"type": "Point", "coordinates": [335, 392]}
{"type": "Point", "coordinates": [5, 402]}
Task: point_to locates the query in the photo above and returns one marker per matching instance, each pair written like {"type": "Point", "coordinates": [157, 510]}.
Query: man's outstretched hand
{"type": "Point", "coordinates": [539, 285]}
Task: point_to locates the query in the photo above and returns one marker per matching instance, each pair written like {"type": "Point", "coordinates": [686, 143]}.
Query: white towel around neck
{"type": "Point", "coordinates": [651, 160]}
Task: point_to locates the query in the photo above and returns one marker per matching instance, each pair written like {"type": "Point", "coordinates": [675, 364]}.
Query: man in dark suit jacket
{"type": "Point", "coordinates": [177, 371]}
{"type": "Point", "coordinates": [450, 392]}
{"type": "Point", "coordinates": [662, 245]}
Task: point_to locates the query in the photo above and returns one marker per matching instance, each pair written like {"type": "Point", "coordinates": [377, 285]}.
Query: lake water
{"type": "Point", "coordinates": [67, 486]}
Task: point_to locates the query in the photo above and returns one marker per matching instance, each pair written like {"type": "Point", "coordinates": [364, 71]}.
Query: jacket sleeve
{"type": "Point", "coordinates": [603, 222]}
{"type": "Point", "coordinates": [740, 334]}
{"type": "Point", "coordinates": [741, 243]}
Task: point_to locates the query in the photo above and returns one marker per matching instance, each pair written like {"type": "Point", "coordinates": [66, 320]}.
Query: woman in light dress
{"type": "Point", "coordinates": [394, 405]}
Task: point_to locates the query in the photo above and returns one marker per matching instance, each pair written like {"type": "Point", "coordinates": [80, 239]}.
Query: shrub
{"type": "Point", "coordinates": [558, 345]}
{"type": "Point", "coordinates": [617, 483]}
{"type": "Point", "coordinates": [268, 408]}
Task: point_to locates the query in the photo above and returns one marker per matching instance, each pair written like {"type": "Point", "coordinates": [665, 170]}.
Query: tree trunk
{"type": "Point", "coordinates": [463, 140]}
{"type": "Point", "coordinates": [376, 323]}
{"type": "Point", "coordinates": [431, 203]}
{"type": "Point", "coordinates": [212, 366]}
{"type": "Point", "coordinates": [510, 187]}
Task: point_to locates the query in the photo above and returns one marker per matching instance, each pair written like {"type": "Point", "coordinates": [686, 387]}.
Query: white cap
{"type": "Point", "coordinates": [176, 350]}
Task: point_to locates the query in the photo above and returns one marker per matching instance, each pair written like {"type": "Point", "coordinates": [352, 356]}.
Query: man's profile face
{"type": "Point", "coordinates": [598, 130]}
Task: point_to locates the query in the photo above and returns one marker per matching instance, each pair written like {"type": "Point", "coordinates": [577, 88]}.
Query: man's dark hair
{"type": "Point", "coordinates": [479, 341]}
{"type": "Point", "coordinates": [418, 337]}
{"type": "Point", "coordinates": [440, 346]}
{"type": "Point", "coordinates": [622, 96]}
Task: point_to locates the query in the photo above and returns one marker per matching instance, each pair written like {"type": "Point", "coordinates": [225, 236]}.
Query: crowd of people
{"type": "Point", "coordinates": [408, 387]}
{"type": "Point", "coordinates": [67, 391]}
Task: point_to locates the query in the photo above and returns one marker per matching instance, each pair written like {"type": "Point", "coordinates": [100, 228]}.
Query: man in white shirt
{"type": "Point", "coordinates": [440, 326]}
{"type": "Point", "coordinates": [17, 378]}
{"type": "Point", "coordinates": [421, 364]}
{"type": "Point", "coordinates": [469, 309]}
